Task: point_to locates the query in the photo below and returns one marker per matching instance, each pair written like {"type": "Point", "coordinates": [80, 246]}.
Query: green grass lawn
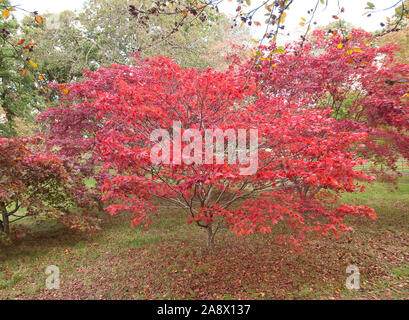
{"type": "Point", "coordinates": [168, 260]}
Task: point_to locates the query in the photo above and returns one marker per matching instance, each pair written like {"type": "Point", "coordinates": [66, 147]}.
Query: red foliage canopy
{"type": "Point", "coordinates": [305, 158]}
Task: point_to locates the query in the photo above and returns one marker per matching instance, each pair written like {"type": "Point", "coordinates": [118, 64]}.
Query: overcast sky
{"type": "Point", "coordinates": [354, 10]}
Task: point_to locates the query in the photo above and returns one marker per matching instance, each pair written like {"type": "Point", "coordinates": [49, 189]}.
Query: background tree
{"type": "Point", "coordinates": [119, 34]}
{"type": "Point", "coordinates": [61, 53]}
{"type": "Point", "coordinates": [343, 25]}
{"type": "Point", "coordinates": [304, 161]}
{"type": "Point", "coordinates": [396, 30]}
{"type": "Point", "coordinates": [401, 38]}
{"type": "Point", "coordinates": [104, 32]}
{"type": "Point", "coordinates": [20, 99]}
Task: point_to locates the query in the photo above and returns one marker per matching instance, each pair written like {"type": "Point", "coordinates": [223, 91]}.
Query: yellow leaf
{"type": "Point", "coordinates": [283, 15]}
{"type": "Point", "coordinates": [40, 77]}
{"type": "Point", "coordinates": [274, 65]}
{"type": "Point", "coordinates": [32, 44]}
{"type": "Point", "coordinates": [367, 42]}
{"type": "Point", "coordinates": [33, 63]}
{"type": "Point", "coordinates": [39, 19]}
{"type": "Point", "coordinates": [349, 51]}
{"type": "Point", "coordinates": [301, 23]}
{"type": "Point", "coordinates": [357, 50]}
{"type": "Point", "coordinates": [66, 91]}
{"type": "Point", "coordinates": [62, 87]}
{"type": "Point", "coordinates": [339, 46]}
{"type": "Point", "coordinates": [242, 24]}
{"type": "Point", "coordinates": [407, 95]}
{"type": "Point", "coordinates": [6, 14]}
{"type": "Point", "coordinates": [280, 49]}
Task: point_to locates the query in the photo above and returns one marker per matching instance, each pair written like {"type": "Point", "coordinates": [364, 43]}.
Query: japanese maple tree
{"type": "Point", "coordinates": [34, 183]}
{"type": "Point", "coordinates": [304, 159]}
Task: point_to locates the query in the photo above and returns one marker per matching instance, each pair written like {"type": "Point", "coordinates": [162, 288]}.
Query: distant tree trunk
{"type": "Point", "coordinates": [210, 236]}
{"type": "Point", "coordinates": [100, 205]}
{"type": "Point", "coordinates": [5, 224]}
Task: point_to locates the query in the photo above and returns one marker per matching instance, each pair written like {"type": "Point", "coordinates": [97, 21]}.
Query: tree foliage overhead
{"type": "Point", "coordinates": [104, 32]}
{"type": "Point", "coordinates": [401, 38]}
{"type": "Point", "coordinates": [20, 100]}
{"type": "Point", "coordinates": [275, 12]}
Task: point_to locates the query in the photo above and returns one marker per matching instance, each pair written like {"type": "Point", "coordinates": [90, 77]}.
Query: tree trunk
{"type": "Point", "coordinates": [210, 237]}
{"type": "Point", "coordinates": [5, 224]}
{"type": "Point", "coordinates": [100, 205]}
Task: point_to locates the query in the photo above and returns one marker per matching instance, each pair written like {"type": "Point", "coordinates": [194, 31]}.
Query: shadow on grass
{"type": "Point", "coordinates": [169, 259]}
